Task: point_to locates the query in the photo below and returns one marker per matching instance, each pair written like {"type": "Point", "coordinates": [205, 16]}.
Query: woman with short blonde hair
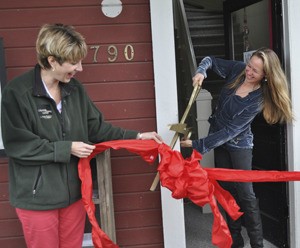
{"type": "Point", "coordinates": [50, 123]}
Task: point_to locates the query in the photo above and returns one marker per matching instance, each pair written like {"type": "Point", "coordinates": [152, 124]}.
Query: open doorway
{"type": "Point", "coordinates": [246, 26]}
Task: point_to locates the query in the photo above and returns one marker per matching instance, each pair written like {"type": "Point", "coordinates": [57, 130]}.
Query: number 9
{"type": "Point", "coordinates": [113, 52]}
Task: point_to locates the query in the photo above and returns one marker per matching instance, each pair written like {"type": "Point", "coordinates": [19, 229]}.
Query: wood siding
{"type": "Point", "coordinates": [123, 90]}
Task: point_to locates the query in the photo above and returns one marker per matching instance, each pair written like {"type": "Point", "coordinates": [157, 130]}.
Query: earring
{"type": "Point", "coordinates": [264, 80]}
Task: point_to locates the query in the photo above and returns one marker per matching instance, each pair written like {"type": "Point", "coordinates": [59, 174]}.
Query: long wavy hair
{"type": "Point", "coordinates": [276, 98]}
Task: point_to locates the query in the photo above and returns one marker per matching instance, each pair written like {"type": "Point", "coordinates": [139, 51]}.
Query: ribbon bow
{"type": "Point", "coordinates": [185, 178]}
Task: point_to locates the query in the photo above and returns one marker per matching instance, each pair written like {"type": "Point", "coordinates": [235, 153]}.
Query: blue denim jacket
{"type": "Point", "coordinates": [230, 124]}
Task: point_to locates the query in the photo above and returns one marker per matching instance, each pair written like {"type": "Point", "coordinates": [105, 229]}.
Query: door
{"type": "Point", "coordinates": [249, 25]}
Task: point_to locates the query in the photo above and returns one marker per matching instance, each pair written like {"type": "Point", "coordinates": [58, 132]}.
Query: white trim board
{"type": "Point", "coordinates": [166, 110]}
{"type": "Point", "coordinates": [291, 39]}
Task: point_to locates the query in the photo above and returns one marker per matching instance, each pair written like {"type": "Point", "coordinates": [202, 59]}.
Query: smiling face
{"type": "Point", "coordinates": [66, 71]}
{"type": "Point", "coordinates": [254, 71]}
{"type": "Point", "coordinates": [63, 72]}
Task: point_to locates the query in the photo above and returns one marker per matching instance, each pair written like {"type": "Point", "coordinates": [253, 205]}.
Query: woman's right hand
{"type": "Point", "coordinates": [151, 135]}
{"type": "Point", "coordinates": [186, 143]}
{"type": "Point", "coordinates": [81, 149]}
{"type": "Point", "coordinates": [198, 79]}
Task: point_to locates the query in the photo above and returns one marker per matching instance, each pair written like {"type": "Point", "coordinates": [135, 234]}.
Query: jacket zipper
{"type": "Point", "coordinates": [62, 120]}
{"type": "Point", "coordinates": [36, 182]}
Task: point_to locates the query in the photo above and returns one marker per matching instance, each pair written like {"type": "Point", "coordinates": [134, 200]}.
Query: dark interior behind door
{"type": "Point", "coordinates": [269, 140]}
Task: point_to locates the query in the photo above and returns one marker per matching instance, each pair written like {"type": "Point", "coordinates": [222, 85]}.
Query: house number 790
{"type": "Point", "coordinates": [112, 52]}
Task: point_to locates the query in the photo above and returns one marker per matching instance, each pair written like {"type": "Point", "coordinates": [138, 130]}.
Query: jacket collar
{"type": "Point", "coordinates": [39, 89]}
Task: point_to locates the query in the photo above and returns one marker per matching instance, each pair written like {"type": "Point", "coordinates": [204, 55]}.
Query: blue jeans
{"type": "Point", "coordinates": [240, 159]}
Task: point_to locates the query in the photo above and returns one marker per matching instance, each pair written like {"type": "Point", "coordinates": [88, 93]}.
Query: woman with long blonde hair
{"type": "Point", "coordinates": [276, 105]}
{"type": "Point", "coordinates": [258, 86]}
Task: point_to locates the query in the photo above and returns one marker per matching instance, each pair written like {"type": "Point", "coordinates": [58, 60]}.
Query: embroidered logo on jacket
{"type": "Point", "coordinates": [45, 111]}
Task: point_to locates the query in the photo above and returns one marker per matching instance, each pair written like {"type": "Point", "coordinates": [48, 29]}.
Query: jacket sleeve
{"type": "Point", "coordinates": [230, 130]}
{"type": "Point", "coordinates": [19, 140]}
{"type": "Point", "coordinates": [100, 130]}
{"type": "Point", "coordinates": [223, 68]}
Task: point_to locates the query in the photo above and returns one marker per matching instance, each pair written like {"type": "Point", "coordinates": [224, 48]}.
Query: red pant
{"type": "Point", "coordinates": [58, 228]}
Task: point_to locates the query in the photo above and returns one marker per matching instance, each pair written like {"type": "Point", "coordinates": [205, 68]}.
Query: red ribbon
{"type": "Point", "coordinates": [185, 178]}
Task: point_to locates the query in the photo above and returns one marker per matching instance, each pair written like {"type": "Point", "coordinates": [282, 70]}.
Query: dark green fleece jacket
{"type": "Point", "coordinates": [37, 139]}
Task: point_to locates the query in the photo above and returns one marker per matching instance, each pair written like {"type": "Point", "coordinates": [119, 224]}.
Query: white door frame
{"type": "Point", "coordinates": [166, 110]}
{"type": "Point", "coordinates": [291, 19]}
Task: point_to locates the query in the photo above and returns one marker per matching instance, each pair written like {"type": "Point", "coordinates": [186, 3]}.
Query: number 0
{"type": "Point", "coordinates": [129, 52]}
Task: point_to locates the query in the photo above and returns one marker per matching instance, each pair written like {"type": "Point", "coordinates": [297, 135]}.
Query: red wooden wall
{"type": "Point", "coordinates": [123, 90]}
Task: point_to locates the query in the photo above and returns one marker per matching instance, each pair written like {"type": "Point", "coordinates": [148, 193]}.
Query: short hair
{"type": "Point", "coordinates": [60, 41]}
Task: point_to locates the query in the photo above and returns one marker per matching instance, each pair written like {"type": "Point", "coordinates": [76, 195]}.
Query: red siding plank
{"type": "Point", "coordinates": [13, 242]}
{"type": "Point", "coordinates": [105, 72]}
{"type": "Point", "coordinates": [133, 109]}
{"type": "Point", "coordinates": [10, 228]}
{"type": "Point", "coordinates": [139, 236]}
{"type": "Point", "coordinates": [130, 165]}
{"type": "Point", "coordinates": [3, 173]}
{"type": "Point", "coordinates": [95, 35]}
{"type": "Point", "coordinates": [125, 91]}
{"type": "Point", "coordinates": [138, 219]}
{"type": "Point", "coordinates": [7, 4]}
{"type": "Point", "coordinates": [28, 35]}
{"type": "Point", "coordinates": [137, 201]}
{"type": "Point", "coordinates": [137, 124]}
{"type": "Point", "coordinates": [3, 160]}
{"type": "Point", "coordinates": [117, 72]}
{"type": "Point", "coordinates": [145, 246]}
{"type": "Point", "coordinates": [124, 154]}
{"type": "Point", "coordinates": [3, 192]}
{"type": "Point", "coordinates": [132, 183]}
{"type": "Point", "coordinates": [7, 211]}
{"type": "Point", "coordinates": [82, 15]}
{"type": "Point", "coordinates": [118, 33]}
{"type": "Point", "coordinates": [17, 4]}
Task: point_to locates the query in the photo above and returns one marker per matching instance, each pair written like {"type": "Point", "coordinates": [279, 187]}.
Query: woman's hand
{"type": "Point", "coordinates": [149, 136]}
{"type": "Point", "coordinates": [81, 149]}
{"type": "Point", "coordinates": [186, 143]}
{"type": "Point", "coordinates": [198, 79]}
